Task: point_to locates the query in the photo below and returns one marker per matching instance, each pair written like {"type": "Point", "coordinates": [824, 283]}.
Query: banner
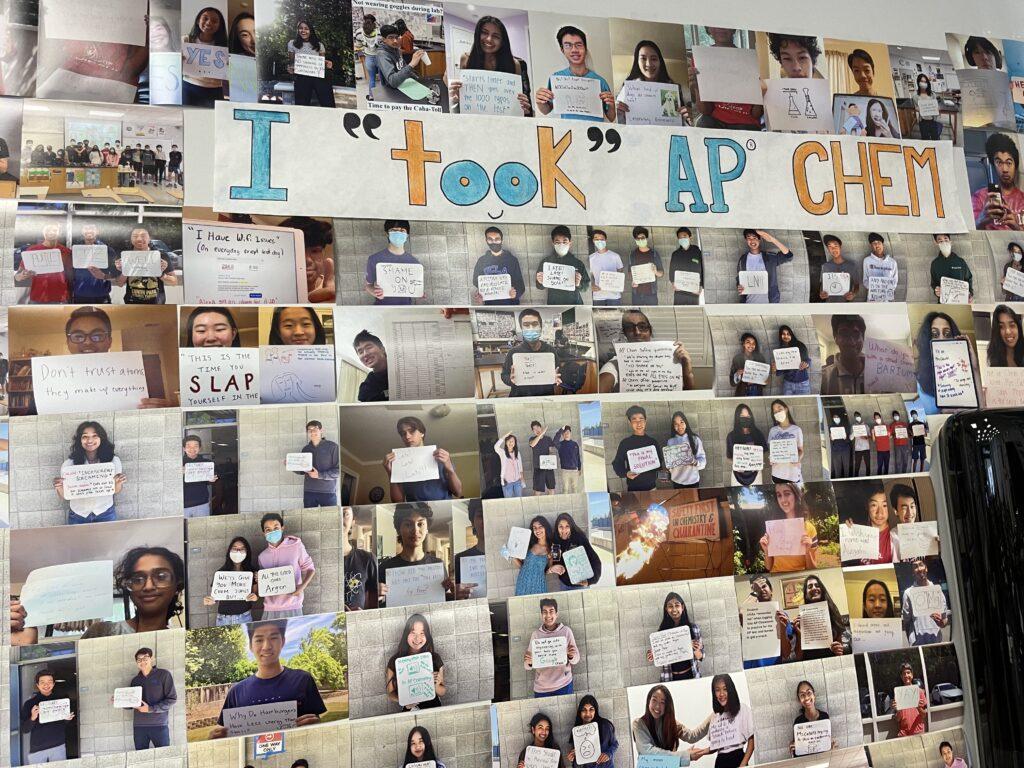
{"type": "Point", "coordinates": [442, 167]}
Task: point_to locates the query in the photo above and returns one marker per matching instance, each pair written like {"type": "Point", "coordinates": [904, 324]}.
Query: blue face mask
{"type": "Point", "coordinates": [398, 238]}
{"type": "Point", "coordinates": [274, 537]}
{"type": "Point", "coordinates": [531, 334]}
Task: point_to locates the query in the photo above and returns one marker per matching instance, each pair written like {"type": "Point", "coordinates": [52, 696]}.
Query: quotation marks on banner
{"type": "Point", "coordinates": [370, 122]}
{"type": "Point", "coordinates": [598, 136]}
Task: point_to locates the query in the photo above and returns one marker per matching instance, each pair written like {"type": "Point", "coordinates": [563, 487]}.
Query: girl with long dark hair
{"type": "Point", "coordinates": [296, 326]}
{"type": "Point", "coordinates": [750, 349]}
{"type": "Point", "coordinates": [1006, 342]}
{"type": "Point", "coordinates": [532, 577]}
{"type": "Point", "coordinates": [687, 474]}
{"type": "Point", "coordinates": [492, 52]}
{"type": "Point", "coordinates": [542, 736]}
{"type": "Point", "coordinates": [726, 705]}
{"type": "Point", "coordinates": [930, 127]}
{"type": "Point", "coordinates": [809, 711]}
{"type": "Point", "coordinates": [568, 536]}
{"type": "Point", "coordinates": [796, 381]}
{"type": "Point", "coordinates": [507, 448]}
{"type": "Point", "coordinates": [208, 28]}
{"type": "Point", "coordinates": [744, 432]}
{"type": "Point", "coordinates": [876, 601]}
{"type": "Point", "coordinates": [154, 578]}
{"type": "Point", "coordinates": [814, 591]}
{"type": "Point", "coordinates": [674, 614]}
{"type": "Point", "coordinates": [419, 748]}
{"type": "Point", "coordinates": [237, 559]}
{"type": "Point", "coordinates": [789, 499]}
{"type": "Point", "coordinates": [211, 327]}
{"type": "Point", "coordinates": [649, 67]}
{"type": "Point", "coordinates": [90, 445]}
{"type": "Point", "coordinates": [657, 732]}
{"type": "Point", "coordinates": [416, 638]}
{"type": "Point", "coordinates": [306, 43]}
{"type": "Point", "coordinates": [587, 712]}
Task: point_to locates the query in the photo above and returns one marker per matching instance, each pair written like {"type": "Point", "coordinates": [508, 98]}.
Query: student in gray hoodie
{"type": "Point", "coordinates": [150, 720]}
{"type": "Point", "coordinates": [392, 67]}
{"type": "Point", "coordinates": [552, 680]}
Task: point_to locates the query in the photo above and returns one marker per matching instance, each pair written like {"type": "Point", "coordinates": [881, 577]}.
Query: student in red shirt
{"type": "Point", "coordinates": [902, 443]}
{"type": "Point", "coordinates": [910, 721]}
{"type": "Point", "coordinates": [882, 445]}
{"type": "Point", "coordinates": [53, 287]}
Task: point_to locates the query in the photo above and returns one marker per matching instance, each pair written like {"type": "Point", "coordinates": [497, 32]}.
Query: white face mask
{"type": "Point", "coordinates": [1016, 255]}
{"type": "Point", "coordinates": [561, 248]}
{"type": "Point", "coordinates": [780, 416]}
{"type": "Point", "coordinates": [236, 557]}
{"type": "Point", "coordinates": [835, 419]}
{"type": "Point", "coordinates": [684, 243]}
{"type": "Point", "coordinates": [600, 244]}
{"type": "Point", "coordinates": [858, 419]}
{"type": "Point", "coordinates": [945, 248]}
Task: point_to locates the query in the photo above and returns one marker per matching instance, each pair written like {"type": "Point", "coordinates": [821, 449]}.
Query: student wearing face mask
{"type": "Point", "coordinates": [949, 264]}
{"type": "Point", "coordinates": [284, 550]}
{"type": "Point", "coordinates": [397, 231]}
{"type": "Point", "coordinates": [686, 258]}
{"type": "Point", "coordinates": [883, 267]}
{"type": "Point", "coordinates": [901, 443]}
{"type": "Point", "coordinates": [636, 327]}
{"type": "Point", "coordinates": [561, 243]}
{"type": "Point", "coordinates": [918, 442]}
{"type": "Point", "coordinates": [498, 260]}
{"type": "Point", "coordinates": [238, 559]}
{"type": "Point", "coordinates": [1015, 251]}
{"type": "Point", "coordinates": [644, 294]}
{"type": "Point", "coordinates": [861, 445]}
{"type": "Point", "coordinates": [840, 447]}
{"type": "Point", "coordinates": [603, 260]}
{"type": "Point", "coordinates": [785, 428]}
{"type": "Point", "coordinates": [881, 436]}
{"type": "Point", "coordinates": [531, 324]}
{"type": "Point", "coordinates": [744, 432]}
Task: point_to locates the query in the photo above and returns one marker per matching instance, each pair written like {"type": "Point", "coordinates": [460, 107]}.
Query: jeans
{"type": "Point", "coordinates": [198, 96]}
{"type": "Point", "coordinates": [157, 735]}
{"type": "Point", "coordinates": [647, 300]}
{"type": "Point", "coordinates": [228, 619]}
{"type": "Point", "coordinates": [861, 457]}
{"type": "Point", "coordinates": [199, 510]}
{"type": "Point", "coordinates": [103, 517]}
{"type": "Point", "coordinates": [512, 490]}
{"type": "Point", "coordinates": [570, 480]}
{"type": "Point", "coordinates": [559, 692]}
{"type": "Point", "coordinates": [319, 499]}
{"type": "Point", "coordinates": [51, 755]}
{"type": "Point", "coordinates": [570, 587]}
{"type": "Point", "coordinates": [882, 460]}
{"type": "Point", "coordinates": [796, 387]}
{"type": "Point", "coordinates": [903, 459]}
{"type": "Point", "coordinates": [306, 86]}
{"type": "Point", "coordinates": [930, 129]}
{"type": "Point", "coordinates": [917, 454]}
{"type": "Point", "coordinates": [371, 70]}
{"type": "Point", "coordinates": [841, 462]}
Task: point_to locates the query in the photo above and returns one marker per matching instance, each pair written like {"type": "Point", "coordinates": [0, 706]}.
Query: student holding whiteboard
{"type": "Point", "coordinates": [744, 432]}
{"type": "Point", "coordinates": [492, 52]}
{"type": "Point", "coordinates": [674, 614]}
{"type": "Point", "coordinates": [587, 712]}
{"type": "Point", "coordinates": [809, 712]}
{"type": "Point", "coordinates": [649, 67]}
{"type": "Point", "coordinates": [284, 550]}
{"type": "Point", "coordinates": [416, 638]}
{"type": "Point", "coordinates": [686, 475]}
{"type": "Point", "coordinates": [910, 721]}
{"type": "Point", "coordinates": [750, 349]}
{"type": "Point", "coordinates": [398, 231]}
{"type": "Point", "coordinates": [209, 29]}
{"type": "Point", "coordinates": [573, 43]}
{"type": "Point", "coordinates": [419, 748]}
{"type": "Point", "coordinates": [568, 536]}
{"type": "Point", "coordinates": [542, 736]}
{"type": "Point", "coordinates": [90, 445]}
{"type": "Point", "coordinates": [306, 43]}
{"type": "Point", "coordinates": [47, 741]}
{"type": "Point", "coordinates": [237, 559]}
{"type": "Point", "coordinates": [412, 525]}
{"type": "Point", "coordinates": [447, 485]}
{"type": "Point", "coordinates": [794, 381]}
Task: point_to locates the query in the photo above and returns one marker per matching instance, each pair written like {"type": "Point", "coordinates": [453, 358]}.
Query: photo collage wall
{"type": "Point", "coordinates": [284, 466]}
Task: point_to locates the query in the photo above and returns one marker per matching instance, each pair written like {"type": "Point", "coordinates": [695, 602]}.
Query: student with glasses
{"type": "Point", "coordinates": [636, 327]}
{"type": "Point", "coordinates": [154, 578]}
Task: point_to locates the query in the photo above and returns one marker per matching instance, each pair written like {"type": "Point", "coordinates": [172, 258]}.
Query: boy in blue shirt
{"type": "Point", "coordinates": [573, 42]}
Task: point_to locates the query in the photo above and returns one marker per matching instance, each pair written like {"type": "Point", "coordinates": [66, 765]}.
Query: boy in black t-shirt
{"type": "Point", "coordinates": [47, 741]}
{"type": "Point", "coordinates": [360, 570]}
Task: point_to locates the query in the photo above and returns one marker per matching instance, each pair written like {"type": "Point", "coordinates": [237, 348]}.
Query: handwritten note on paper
{"type": "Point", "coordinates": [422, 764]}
{"type": "Point", "coordinates": [953, 291]}
{"type": "Point", "coordinates": [754, 283]}
{"type": "Point", "coordinates": [870, 635]}
{"type": "Point", "coordinates": [54, 710]}
{"type": "Point", "coordinates": [484, 92]}
{"type": "Point", "coordinates": [45, 261]}
{"type": "Point", "coordinates": [415, 676]}
{"type": "Point", "coordinates": [760, 636]}
{"type": "Point", "coordinates": [141, 263]}
{"type": "Point", "coordinates": [87, 481]}
{"type": "Point", "coordinates": [310, 64]}
{"type": "Point", "coordinates": [413, 465]}
{"type": "Point", "coordinates": [577, 96]}
{"type": "Point", "coordinates": [128, 698]}
{"type": "Point", "coordinates": [549, 652]}
{"type": "Point", "coordinates": [727, 74]}
{"type": "Point", "coordinates": [985, 98]}
{"type": "Point", "coordinates": [859, 430]}
{"type": "Point", "coordinates": [686, 281]}
{"type": "Point", "coordinates": [784, 536]}
{"type": "Point", "coordinates": [108, 21]}
{"type": "Point", "coordinates": [494, 287]}
{"type": "Point", "coordinates": [199, 471]}
{"type": "Point", "coordinates": [68, 592]}
{"type": "Point", "coordinates": [542, 757]}
{"type": "Point", "coordinates": [577, 565]}
{"type": "Point", "coordinates": [85, 256]}
{"type": "Point", "coordinates": [103, 381]}
{"type": "Point", "coordinates": [416, 584]}
{"type": "Point", "coordinates": [888, 367]}
{"type": "Point", "coordinates": [560, 277]}
{"type": "Point", "coordinates": [643, 273]}
{"type": "Point", "coordinates": [612, 281]}
{"type": "Point", "coordinates": [586, 740]}
{"type": "Point", "coordinates": [798, 105]}
{"type": "Point", "coordinates": [907, 696]}
{"type": "Point", "coordinates": [260, 718]}
{"type": "Point", "coordinates": [401, 280]}
{"type": "Point", "coordinates": [755, 372]}
{"type": "Point", "coordinates": [724, 732]}
{"type": "Point", "coordinates": [954, 374]}
{"type": "Point", "coordinates": [918, 539]}
{"type": "Point", "coordinates": [473, 570]}
{"type": "Point", "coordinates": [547, 461]}
{"type": "Point", "coordinates": [275, 581]}
{"type": "Point", "coordinates": [518, 543]}
{"type": "Point", "coordinates": [651, 103]}
{"type": "Point", "coordinates": [880, 430]}
{"type": "Point", "coordinates": [201, 60]}
{"type": "Point", "coordinates": [695, 521]}
{"type": "Point", "coordinates": [671, 645]}
{"type": "Point", "coordinates": [648, 366]}
{"type": "Point", "coordinates": [927, 106]}
{"type": "Point", "coordinates": [881, 288]}
{"type": "Point", "coordinates": [927, 600]}
{"type": "Point", "coordinates": [783, 450]}
{"type": "Point", "coordinates": [233, 585]}
{"type": "Point", "coordinates": [815, 626]}
{"type": "Point", "coordinates": [786, 358]}
{"type": "Point", "coordinates": [812, 738]}
{"type": "Point", "coordinates": [900, 433]}
{"type": "Point", "coordinates": [747, 458]}
{"type": "Point", "coordinates": [835, 283]}
{"type": "Point", "coordinates": [534, 368]}
{"type": "Point", "coordinates": [298, 462]}
{"type": "Point", "coordinates": [1013, 282]}
{"type": "Point", "coordinates": [917, 430]}
{"type": "Point", "coordinates": [1003, 387]}
{"type": "Point", "coordinates": [644, 459]}
{"type": "Point", "coordinates": [297, 374]}
{"type": "Point", "coordinates": [858, 542]}
{"type": "Point", "coordinates": [219, 376]}
{"type": "Point", "coordinates": [837, 433]}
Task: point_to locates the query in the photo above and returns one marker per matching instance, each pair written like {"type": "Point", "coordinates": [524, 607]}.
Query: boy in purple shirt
{"type": "Point", "coordinates": [397, 231]}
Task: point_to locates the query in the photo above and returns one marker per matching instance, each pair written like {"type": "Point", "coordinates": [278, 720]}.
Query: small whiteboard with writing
{"type": "Point", "coordinates": [754, 283]}
{"type": "Point", "coordinates": [648, 366]}
{"type": "Point", "coordinates": [86, 481]}
{"type": "Point", "coordinates": [577, 565]}
{"type": "Point", "coordinates": [53, 710]}
{"type": "Point", "coordinates": [141, 263]}
{"type": "Point", "coordinates": [128, 698]}
{"type": "Point", "coordinates": [812, 737]}
{"type": "Point", "coordinates": [298, 462]}
{"type": "Point", "coordinates": [686, 281]}
{"type": "Point", "coordinates": [85, 256]}
{"type": "Point", "coordinates": [276, 581]}
{"type": "Point", "coordinates": [783, 450]}
{"type": "Point", "coordinates": [835, 283]}
{"type": "Point", "coordinates": [787, 358]}
{"type": "Point", "coordinates": [494, 287]}
{"type": "Point", "coordinates": [837, 433]}
{"type": "Point", "coordinates": [611, 281]}
{"type": "Point", "coordinates": [400, 280]}
{"type": "Point", "coordinates": [953, 291]}
{"type": "Point", "coordinates": [643, 459]}
{"type": "Point", "coordinates": [927, 106]}
{"type": "Point", "coordinates": [232, 585]}
{"type": "Point", "coordinates": [199, 472]}
{"type": "Point", "coordinates": [534, 368]}
{"type": "Point", "coordinates": [309, 64]}
{"type": "Point", "coordinates": [415, 584]}
{"type": "Point", "coordinates": [415, 677]}
{"type": "Point", "coordinates": [747, 458]}
{"type": "Point", "coordinates": [413, 465]}
{"type": "Point", "coordinates": [518, 543]}
{"type": "Point", "coordinates": [260, 718]}
{"type": "Point", "coordinates": [954, 374]}
{"type": "Point", "coordinates": [586, 740]}
{"type": "Point", "coordinates": [44, 261]}
{"type": "Point", "coordinates": [643, 273]}
{"type": "Point", "coordinates": [907, 697]}
{"type": "Point", "coordinates": [671, 645]}
{"type": "Point", "coordinates": [881, 288]}
{"type": "Point", "coordinates": [542, 757]}
{"type": "Point", "coordinates": [577, 96]}
{"type": "Point", "coordinates": [755, 372]}
{"type": "Point", "coordinates": [561, 277]}
{"type": "Point", "coordinates": [547, 461]}
{"type": "Point", "coordinates": [549, 652]}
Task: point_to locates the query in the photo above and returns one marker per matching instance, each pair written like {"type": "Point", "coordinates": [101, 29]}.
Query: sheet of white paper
{"type": "Point", "coordinates": [918, 539]}
{"type": "Point", "coordinates": [724, 733]}
{"type": "Point", "coordinates": [747, 458]}
{"type": "Point", "coordinates": [907, 697]}
{"type": "Point", "coordinates": [889, 367]}
{"type": "Point", "coordinates": [484, 92]}
{"type": "Point", "coordinates": [786, 358]}
{"type": "Point", "coordinates": [547, 461]}
{"type": "Point", "coordinates": [260, 718]}
{"type": "Point", "coordinates": [275, 581]}
{"type": "Point", "coordinates": [1013, 282]}
{"type": "Point", "coordinates": [108, 21]}
{"type": "Point", "coordinates": [549, 652]}
{"type": "Point", "coordinates": [416, 585]}
{"type": "Point", "coordinates": [558, 276]}
{"type": "Point", "coordinates": [577, 96]}
{"type": "Point", "coordinates": [651, 103]}
{"type": "Point", "coordinates": [85, 256]}
{"type": "Point", "coordinates": [835, 283]}
{"type": "Point", "coordinates": [534, 368]}
{"type": "Point", "coordinates": [671, 645]}
{"type": "Point", "coordinates": [45, 261]}
{"type": "Point", "coordinates": [755, 372]}
{"type": "Point", "coordinates": [518, 543]}
{"type": "Point", "coordinates": [69, 592]}
{"type": "Point", "coordinates": [953, 291]}
{"type": "Point", "coordinates": [881, 288]}
{"type": "Point", "coordinates": [900, 433]}
{"type": "Point", "coordinates": [837, 433]}
{"type": "Point", "coordinates": [686, 281]}
{"type": "Point", "coordinates": [219, 376]}
{"type": "Point", "coordinates": [199, 472]}
{"type": "Point", "coordinates": [798, 104]}
{"type": "Point", "coordinates": [473, 570]}
{"type": "Point", "coordinates": [1003, 387]}
{"type": "Point", "coordinates": [87, 481]}
{"type": "Point", "coordinates": [760, 637]}
{"type": "Point", "coordinates": [812, 738]}
{"type": "Point", "coordinates": [415, 676]}
{"type": "Point", "coordinates": [401, 280]}
{"type": "Point", "coordinates": [754, 282]}
{"type": "Point", "coordinates": [542, 757]}
{"type": "Point", "coordinates": [414, 464]}
{"type": "Point", "coordinates": [298, 462]}
{"type": "Point", "coordinates": [297, 374]}
{"type": "Point", "coordinates": [870, 635]}
{"type": "Point", "coordinates": [642, 460]}
{"type": "Point", "coordinates": [494, 287]}
{"type": "Point", "coordinates": [858, 542]}
{"type": "Point", "coordinates": [784, 536]}
{"type": "Point", "coordinates": [783, 450]}
{"type": "Point", "coordinates": [577, 565]}
{"type": "Point", "coordinates": [54, 710]}
{"type": "Point", "coordinates": [310, 64]}
{"type": "Point", "coordinates": [927, 106]}
{"type": "Point", "coordinates": [232, 585]}
{"type": "Point", "coordinates": [643, 273]}
{"type": "Point", "coordinates": [141, 263]}
{"type": "Point", "coordinates": [648, 366]}
{"type": "Point", "coordinates": [985, 98]}
{"type": "Point", "coordinates": [201, 60]}
{"type": "Point", "coordinates": [815, 627]}
{"type": "Point", "coordinates": [859, 430]}
{"type": "Point", "coordinates": [128, 698]}
{"type": "Point", "coordinates": [727, 74]}
{"type": "Point", "coordinates": [614, 282]}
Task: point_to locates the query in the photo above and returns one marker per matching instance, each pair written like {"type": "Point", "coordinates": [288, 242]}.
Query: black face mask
{"type": "Point", "coordinates": [494, 247]}
{"type": "Point", "coordinates": [746, 422]}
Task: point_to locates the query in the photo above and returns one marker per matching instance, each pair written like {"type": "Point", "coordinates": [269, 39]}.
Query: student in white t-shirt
{"type": "Point", "coordinates": [604, 260]}
{"type": "Point", "coordinates": [880, 264]}
{"type": "Point", "coordinates": [91, 445]}
{"type": "Point", "coordinates": [782, 429]}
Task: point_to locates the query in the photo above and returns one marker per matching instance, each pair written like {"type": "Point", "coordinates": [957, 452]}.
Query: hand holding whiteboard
{"type": "Point", "coordinates": [953, 291]}
{"type": "Point", "coordinates": [586, 741]}
{"type": "Point", "coordinates": [400, 280]}
{"type": "Point", "coordinates": [643, 459]}
{"type": "Point", "coordinates": [44, 261]}
{"type": "Point", "coordinates": [747, 458]}
{"type": "Point", "coordinates": [859, 542]}
{"type": "Point", "coordinates": [414, 464]}
{"type": "Point", "coordinates": [233, 585]}
{"type": "Point", "coordinates": [141, 264]}
{"type": "Point", "coordinates": [549, 652]}
{"type": "Point", "coordinates": [835, 283]}
{"type": "Point", "coordinates": [533, 368]}
{"type": "Point", "coordinates": [671, 645]}
{"type": "Point", "coordinates": [813, 737]}
{"type": "Point", "coordinates": [87, 481]}
{"type": "Point", "coordinates": [577, 96]}
{"type": "Point", "coordinates": [85, 256]}
{"type": "Point", "coordinates": [199, 472]}
{"type": "Point", "coordinates": [53, 710]}
{"type": "Point", "coordinates": [542, 757]}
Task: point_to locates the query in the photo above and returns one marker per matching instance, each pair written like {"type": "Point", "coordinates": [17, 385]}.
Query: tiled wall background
{"type": "Point", "coordinates": [917, 751]}
{"type": "Point", "coordinates": [918, 251]}
{"type": "Point", "coordinates": [593, 617]}
{"type": "Point", "coordinates": [321, 745]}
{"type": "Point", "coordinates": [462, 638]}
{"type": "Point", "coordinates": [514, 723]}
{"type": "Point", "coordinates": [222, 753]}
{"type": "Point", "coordinates": [148, 444]}
{"type": "Point", "coordinates": [461, 737]}
{"type": "Point", "coordinates": [516, 415]}
{"type": "Point", "coordinates": [108, 663]}
{"type": "Point", "coordinates": [711, 604]}
{"type": "Point", "coordinates": [500, 515]}
{"type": "Point", "coordinates": [265, 435]}
{"type": "Point", "coordinates": [722, 250]}
{"type": "Point", "coordinates": [726, 331]}
{"type": "Point", "coordinates": [855, 249]}
{"type": "Point", "coordinates": [773, 698]}
{"type": "Point", "coordinates": [208, 539]}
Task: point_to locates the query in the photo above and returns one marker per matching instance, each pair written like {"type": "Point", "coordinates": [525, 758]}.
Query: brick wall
{"type": "Point", "coordinates": [222, 753]}
{"type": "Point", "coordinates": [108, 663]}
{"type": "Point", "coordinates": [265, 435]}
{"type": "Point", "coordinates": [462, 638]}
{"type": "Point", "coordinates": [148, 443]}
{"type": "Point", "coordinates": [208, 539]}
{"type": "Point", "coordinates": [461, 737]}
{"type": "Point", "coordinates": [594, 619]}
